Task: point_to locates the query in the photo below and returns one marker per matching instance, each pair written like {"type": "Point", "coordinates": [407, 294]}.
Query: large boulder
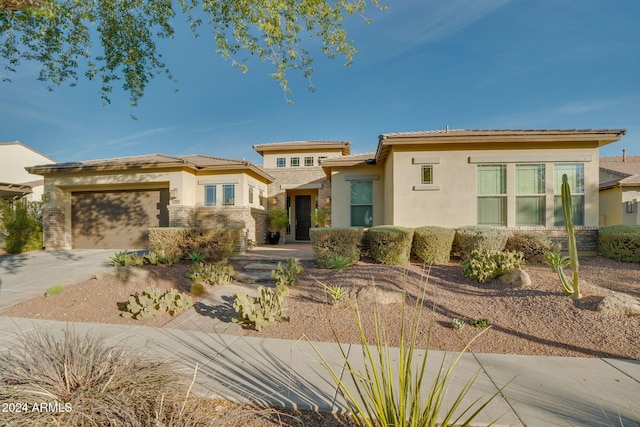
{"type": "Point", "coordinates": [621, 304]}
{"type": "Point", "coordinates": [123, 274]}
{"type": "Point", "coordinates": [517, 278]}
{"type": "Point", "coordinates": [375, 295]}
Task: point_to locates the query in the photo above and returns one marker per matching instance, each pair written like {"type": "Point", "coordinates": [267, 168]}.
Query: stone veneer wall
{"type": "Point", "coordinates": [260, 221]}
{"type": "Point", "coordinates": [182, 216]}
{"type": "Point", "coordinates": [297, 176]}
{"type": "Point", "coordinates": [53, 235]}
{"type": "Point", "coordinates": [586, 237]}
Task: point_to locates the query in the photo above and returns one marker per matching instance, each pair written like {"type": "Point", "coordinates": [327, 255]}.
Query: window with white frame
{"type": "Point", "coordinates": [261, 197]}
{"type": "Point", "coordinates": [209, 195]}
{"type": "Point", "coordinates": [251, 189]}
{"type": "Point", "coordinates": [308, 161]}
{"type": "Point", "coordinates": [228, 194]}
{"type": "Point", "coordinates": [492, 195]}
{"type": "Point", "coordinates": [294, 162]}
{"type": "Point", "coordinates": [321, 158]}
{"type": "Point", "coordinates": [361, 203]}
{"type": "Point", "coordinates": [575, 177]}
{"type": "Point", "coordinates": [426, 174]}
{"type": "Point", "coordinates": [281, 162]}
{"type": "Point", "coordinates": [530, 195]}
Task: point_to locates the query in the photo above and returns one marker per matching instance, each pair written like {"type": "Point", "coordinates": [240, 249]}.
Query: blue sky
{"type": "Point", "coordinates": [424, 64]}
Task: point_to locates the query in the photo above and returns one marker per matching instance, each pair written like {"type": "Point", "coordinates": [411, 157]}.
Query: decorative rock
{"type": "Point", "coordinates": [123, 274]}
{"type": "Point", "coordinates": [260, 266]}
{"type": "Point", "coordinates": [379, 296]}
{"type": "Point", "coordinates": [618, 303]}
{"type": "Point", "coordinates": [254, 276]}
{"type": "Point", "coordinates": [517, 278]}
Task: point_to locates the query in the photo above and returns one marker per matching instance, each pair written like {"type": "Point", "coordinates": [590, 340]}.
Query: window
{"type": "Point", "coordinates": [228, 194]}
{"type": "Point", "coordinates": [492, 195]}
{"type": "Point", "coordinates": [280, 162]}
{"type": "Point", "coordinates": [575, 175]}
{"type": "Point", "coordinates": [308, 161]}
{"type": "Point", "coordinates": [530, 195]}
{"type": "Point", "coordinates": [427, 174]}
{"type": "Point", "coordinates": [261, 197]}
{"type": "Point", "coordinates": [294, 162]}
{"type": "Point", "coordinates": [320, 159]}
{"type": "Point", "coordinates": [250, 195]}
{"type": "Point", "coordinates": [361, 203]}
{"type": "Point", "coordinates": [209, 195]}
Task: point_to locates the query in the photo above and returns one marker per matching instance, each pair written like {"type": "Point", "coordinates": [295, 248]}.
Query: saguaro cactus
{"type": "Point", "coordinates": [570, 288]}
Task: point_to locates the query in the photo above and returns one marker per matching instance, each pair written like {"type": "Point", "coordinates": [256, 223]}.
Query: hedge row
{"type": "Point", "coordinates": [390, 244]}
{"type": "Point", "coordinates": [216, 244]}
{"type": "Point", "coordinates": [620, 242]}
{"type": "Point", "coordinates": [329, 243]}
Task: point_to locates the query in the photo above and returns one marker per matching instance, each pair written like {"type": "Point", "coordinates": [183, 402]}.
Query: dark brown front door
{"type": "Point", "coordinates": [117, 219]}
{"type": "Point", "coordinates": [303, 217]}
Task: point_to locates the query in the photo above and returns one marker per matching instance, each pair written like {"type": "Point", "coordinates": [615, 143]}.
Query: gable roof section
{"type": "Point", "coordinates": [151, 161]}
{"type": "Point", "coordinates": [496, 136]}
{"type": "Point", "coordinates": [345, 146]}
{"type": "Point", "coordinates": [26, 147]}
{"type": "Point", "coordinates": [626, 168]}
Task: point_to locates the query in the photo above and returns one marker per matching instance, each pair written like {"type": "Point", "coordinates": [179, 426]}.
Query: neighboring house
{"type": "Point", "coordinates": [453, 178]}
{"type": "Point", "coordinates": [449, 178]}
{"type": "Point", "coordinates": [619, 190]}
{"type": "Point", "coordinates": [111, 203]}
{"type": "Point", "coordinates": [300, 185]}
{"type": "Point", "coordinates": [15, 181]}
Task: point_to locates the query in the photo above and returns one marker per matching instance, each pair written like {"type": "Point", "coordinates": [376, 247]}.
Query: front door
{"type": "Point", "coordinates": [303, 217]}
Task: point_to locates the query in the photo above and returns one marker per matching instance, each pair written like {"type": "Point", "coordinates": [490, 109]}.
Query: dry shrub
{"type": "Point", "coordinates": [87, 383]}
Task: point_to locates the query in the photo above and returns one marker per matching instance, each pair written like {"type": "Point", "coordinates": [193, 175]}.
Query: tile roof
{"type": "Point", "coordinates": [478, 132]}
{"type": "Point", "coordinates": [627, 168]}
{"type": "Point", "coordinates": [195, 162]}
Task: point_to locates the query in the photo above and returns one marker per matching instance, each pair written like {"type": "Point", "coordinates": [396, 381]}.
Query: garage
{"type": "Point", "coordinates": [117, 219]}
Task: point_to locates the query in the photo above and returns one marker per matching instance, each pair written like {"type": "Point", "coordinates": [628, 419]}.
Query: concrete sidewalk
{"type": "Point", "coordinates": [544, 391]}
{"type": "Point", "coordinates": [23, 276]}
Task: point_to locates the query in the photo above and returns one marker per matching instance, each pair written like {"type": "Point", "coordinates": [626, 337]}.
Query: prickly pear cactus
{"type": "Point", "coordinates": [152, 303]}
{"type": "Point", "coordinates": [264, 310]}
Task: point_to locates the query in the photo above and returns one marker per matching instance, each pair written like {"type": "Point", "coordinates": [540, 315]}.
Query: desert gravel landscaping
{"type": "Point", "coordinates": [538, 320]}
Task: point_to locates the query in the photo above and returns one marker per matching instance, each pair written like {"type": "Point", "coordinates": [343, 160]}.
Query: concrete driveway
{"type": "Point", "coordinates": [25, 275]}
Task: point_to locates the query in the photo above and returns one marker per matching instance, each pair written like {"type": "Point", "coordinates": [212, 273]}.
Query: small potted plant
{"type": "Point", "coordinates": [278, 220]}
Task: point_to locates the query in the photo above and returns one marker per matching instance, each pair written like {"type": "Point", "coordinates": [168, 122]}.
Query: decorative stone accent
{"type": "Point", "coordinates": [373, 295]}
{"type": "Point", "coordinates": [53, 235]}
{"type": "Point", "coordinates": [517, 278]}
{"type": "Point", "coordinates": [123, 274]}
{"type": "Point", "coordinates": [620, 304]}
{"type": "Point", "coordinates": [181, 216]}
{"type": "Point", "coordinates": [586, 237]}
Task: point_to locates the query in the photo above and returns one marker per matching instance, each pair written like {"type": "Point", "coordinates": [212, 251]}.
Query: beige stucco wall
{"type": "Point", "coordinates": [341, 193]}
{"type": "Point", "coordinates": [452, 199]}
{"type": "Point", "coordinates": [271, 156]}
{"type": "Point", "coordinates": [14, 157]}
{"type": "Point", "coordinates": [613, 206]}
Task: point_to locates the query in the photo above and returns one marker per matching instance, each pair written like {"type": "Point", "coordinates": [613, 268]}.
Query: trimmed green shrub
{"type": "Point", "coordinates": [329, 243]}
{"type": "Point", "coordinates": [485, 266]}
{"type": "Point", "coordinates": [532, 245]}
{"type": "Point", "coordinates": [479, 237]}
{"type": "Point", "coordinates": [390, 244]}
{"type": "Point", "coordinates": [433, 244]}
{"type": "Point", "coordinates": [216, 244]}
{"type": "Point", "coordinates": [620, 242]}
